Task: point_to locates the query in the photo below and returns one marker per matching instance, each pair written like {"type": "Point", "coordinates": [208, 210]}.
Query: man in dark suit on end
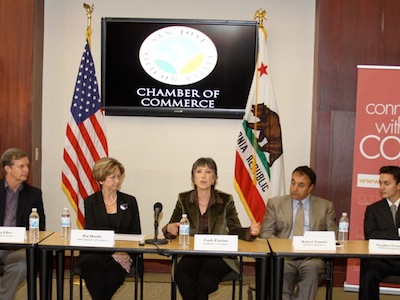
{"type": "Point", "coordinates": [381, 223]}
{"type": "Point", "coordinates": [17, 198]}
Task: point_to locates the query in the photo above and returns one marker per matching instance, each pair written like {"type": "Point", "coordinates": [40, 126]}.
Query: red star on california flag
{"type": "Point", "coordinates": [263, 69]}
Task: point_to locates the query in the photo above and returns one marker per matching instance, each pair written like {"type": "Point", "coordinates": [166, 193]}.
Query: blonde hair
{"type": "Point", "coordinates": [106, 166]}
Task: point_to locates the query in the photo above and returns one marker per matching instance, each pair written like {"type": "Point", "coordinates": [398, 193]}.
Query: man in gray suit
{"type": "Point", "coordinates": [301, 276]}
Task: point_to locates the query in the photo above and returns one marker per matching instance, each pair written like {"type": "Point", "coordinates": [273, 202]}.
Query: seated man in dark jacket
{"type": "Point", "coordinates": [17, 198]}
{"type": "Point", "coordinates": [381, 221]}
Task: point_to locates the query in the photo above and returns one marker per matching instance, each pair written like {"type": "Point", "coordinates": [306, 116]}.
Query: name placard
{"type": "Point", "coordinates": [215, 242]}
{"type": "Point", "coordinates": [12, 234]}
{"type": "Point", "coordinates": [92, 238]}
{"type": "Point", "coordinates": [384, 246]}
{"type": "Point", "coordinates": [315, 241]}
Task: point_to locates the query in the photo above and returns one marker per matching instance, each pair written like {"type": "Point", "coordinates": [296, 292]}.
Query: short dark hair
{"type": "Point", "coordinates": [304, 170]}
{"type": "Point", "coordinates": [8, 157]}
{"type": "Point", "coordinates": [394, 170]}
{"type": "Point", "coordinates": [205, 161]}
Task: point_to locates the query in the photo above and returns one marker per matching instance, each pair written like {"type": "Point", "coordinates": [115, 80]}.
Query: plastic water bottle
{"type": "Point", "coordinates": [184, 229]}
{"type": "Point", "coordinates": [343, 228]}
{"type": "Point", "coordinates": [65, 224]}
{"type": "Point", "coordinates": [34, 226]}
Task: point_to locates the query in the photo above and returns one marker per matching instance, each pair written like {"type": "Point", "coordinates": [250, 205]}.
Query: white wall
{"type": "Point", "coordinates": [158, 152]}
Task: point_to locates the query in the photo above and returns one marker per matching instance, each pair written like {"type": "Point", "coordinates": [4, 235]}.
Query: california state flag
{"type": "Point", "coordinates": [259, 170]}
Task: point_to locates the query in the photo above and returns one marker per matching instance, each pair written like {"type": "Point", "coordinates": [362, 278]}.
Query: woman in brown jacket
{"type": "Point", "coordinates": [209, 212]}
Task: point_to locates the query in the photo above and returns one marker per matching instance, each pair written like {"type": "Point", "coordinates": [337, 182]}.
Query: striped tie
{"type": "Point", "coordinates": [298, 228]}
{"type": "Point", "coordinates": [393, 209]}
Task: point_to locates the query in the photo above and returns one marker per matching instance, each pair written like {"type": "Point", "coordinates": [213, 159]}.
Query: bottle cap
{"type": "Point", "coordinates": [344, 214]}
{"type": "Point", "coordinates": [34, 209]}
{"type": "Point", "coordinates": [184, 215]}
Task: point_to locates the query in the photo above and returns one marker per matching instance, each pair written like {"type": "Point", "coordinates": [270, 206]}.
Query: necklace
{"type": "Point", "coordinates": [112, 202]}
{"type": "Point", "coordinates": [203, 205]}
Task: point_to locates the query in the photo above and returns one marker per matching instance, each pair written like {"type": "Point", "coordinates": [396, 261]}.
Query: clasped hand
{"type": "Point", "coordinates": [123, 259]}
{"type": "Point", "coordinates": [255, 228]}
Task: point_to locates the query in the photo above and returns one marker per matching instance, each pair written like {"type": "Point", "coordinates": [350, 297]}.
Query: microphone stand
{"type": "Point", "coordinates": [156, 241]}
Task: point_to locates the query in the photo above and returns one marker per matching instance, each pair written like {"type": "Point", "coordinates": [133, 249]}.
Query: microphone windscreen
{"type": "Point", "coordinates": [158, 206]}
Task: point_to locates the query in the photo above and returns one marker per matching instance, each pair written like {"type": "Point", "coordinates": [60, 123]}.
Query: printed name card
{"type": "Point", "coordinates": [315, 241]}
{"type": "Point", "coordinates": [384, 246]}
{"type": "Point", "coordinates": [92, 238]}
{"type": "Point", "coordinates": [12, 234]}
{"type": "Point", "coordinates": [215, 242]}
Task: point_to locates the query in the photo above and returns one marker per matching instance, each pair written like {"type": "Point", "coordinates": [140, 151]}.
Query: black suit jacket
{"type": "Point", "coordinates": [128, 220]}
{"type": "Point", "coordinates": [378, 222]}
{"type": "Point", "coordinates": [29, 197]}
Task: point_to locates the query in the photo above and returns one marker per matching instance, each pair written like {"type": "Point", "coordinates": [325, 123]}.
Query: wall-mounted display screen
{"type": "Point", "coordinates": [177, 68]}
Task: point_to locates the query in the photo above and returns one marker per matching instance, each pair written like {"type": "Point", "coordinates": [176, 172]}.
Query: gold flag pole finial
{"type": "Point", "coordinates": [260, 15]}
{"type": "Point", "coordinates": [89, 11]}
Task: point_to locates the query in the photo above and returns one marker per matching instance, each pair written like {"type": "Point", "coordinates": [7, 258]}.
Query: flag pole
{"type": "Point", "coordinates": [86, 139]}
{"type": "Point", "coordinates": [260, 15]}
{"type": "Point", "coordinates": [89, 11]}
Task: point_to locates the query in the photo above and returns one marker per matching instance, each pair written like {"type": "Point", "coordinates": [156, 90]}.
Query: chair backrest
{"type": "Point", "coordinates": [393, 279]}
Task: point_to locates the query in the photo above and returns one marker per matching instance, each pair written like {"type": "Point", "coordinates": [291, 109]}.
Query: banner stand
{"type": "Point", "coordinates": [382, 290]}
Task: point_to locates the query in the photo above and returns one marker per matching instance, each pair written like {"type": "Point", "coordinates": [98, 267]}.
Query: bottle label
{"type": "Point", "coordinates": [184, 229]}
{"type": "Point", "coordinates": [65, 222]}
{"type": "Point", "coordinates": [33, 223]}
{"type": "Point", "coordinates": [343, 226]}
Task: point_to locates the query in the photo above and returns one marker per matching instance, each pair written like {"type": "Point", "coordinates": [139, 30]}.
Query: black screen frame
{"type": "Point", "coordinates": [225, 112]}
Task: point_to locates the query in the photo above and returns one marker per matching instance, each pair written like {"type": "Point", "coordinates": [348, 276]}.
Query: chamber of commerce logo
{"type": "Point", "coordinates": [178, 55]}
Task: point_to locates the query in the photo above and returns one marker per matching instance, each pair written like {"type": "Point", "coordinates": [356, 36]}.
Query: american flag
{"type": "Point", "coordinates": [85, 141]}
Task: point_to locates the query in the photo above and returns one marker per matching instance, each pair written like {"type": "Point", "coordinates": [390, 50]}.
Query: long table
{"type": "Point", "coordinates": [30, 260]}
{"type": "Point", "coordinates": [282, 248]}
{"type": "Point", "coordinates": [257, 249]}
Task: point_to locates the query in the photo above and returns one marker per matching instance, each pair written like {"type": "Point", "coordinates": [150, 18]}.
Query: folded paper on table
{"type": "Point", "coordinates": [129, 237]}
{"type": "Point", "coordinates": [92, 238]}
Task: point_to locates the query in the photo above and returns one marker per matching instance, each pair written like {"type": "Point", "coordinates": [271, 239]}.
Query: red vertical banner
{"type": "Point", "coordinates": [377, 143]}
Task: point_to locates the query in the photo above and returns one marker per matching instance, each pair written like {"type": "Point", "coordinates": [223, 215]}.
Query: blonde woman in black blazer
{"type": "Point", "coordinates": [108, 209]}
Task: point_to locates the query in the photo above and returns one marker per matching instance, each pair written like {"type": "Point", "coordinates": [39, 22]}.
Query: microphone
{"type": "Point", "coordinates": [157, 210]}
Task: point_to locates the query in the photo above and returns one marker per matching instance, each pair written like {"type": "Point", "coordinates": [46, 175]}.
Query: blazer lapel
{"type": "Point", "coordinates": [119, 214]}
{"type": "Point", "coordinates": [193, 212]}
{"type": "Point", "coordinates": [313, 213]}
{"type": "Point", "coordinates": [23, 204]}
{"type": "Point", "coordinates": [214, 213]}
{"type": "Point", "coordinates": [287, 208]}
{"type": "Point", "coordinates": [101, 212]}
{"type": "Point", "coordinates": [2, 200]}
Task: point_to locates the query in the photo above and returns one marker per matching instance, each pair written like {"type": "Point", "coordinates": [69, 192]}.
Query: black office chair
{"type": "Point", "coordinates": [137, 275]}
{"type": "Point", "coordinates": [392, 279]}
{"type": "Point", "coordinates": [231, 276]}
{"type": "Point", "coordinates": [329, 279]}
